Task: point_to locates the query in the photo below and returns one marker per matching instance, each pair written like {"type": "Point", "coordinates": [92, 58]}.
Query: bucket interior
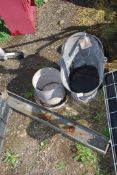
{"type": "Point", "coordinates": [50, 86]}
{"type": "Point", "coordinates": [46, 79]}
{"type": "Point", "coordinates": [84, 79]}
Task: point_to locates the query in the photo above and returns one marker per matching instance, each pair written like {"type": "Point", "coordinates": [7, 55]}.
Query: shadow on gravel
{"type": "Point", "coordinates": [98, 4]}
{"type": "Point", "coordinates": [107, 32]}
{"type": "Point", "coordinates": [28, 66]}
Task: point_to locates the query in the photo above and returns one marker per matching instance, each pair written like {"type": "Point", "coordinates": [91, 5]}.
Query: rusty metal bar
{"type": "Point", "coordinates": [59, 123]}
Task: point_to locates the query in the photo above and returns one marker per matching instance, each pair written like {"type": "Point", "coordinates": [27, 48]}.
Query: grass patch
{"type": "Point", "coordinates": [11, 158]}
{"type": "Point", "coordinates": [39, 3]}
{"type": "Point", "coordinates": [43, 144]}
{"type": "Point", "coordinates": [4, 32]}
{"type": "Point", "coordinates": [108, 34]}
{"type": "Point", "coordinates": [109, 31]}
{"type": "Point", "coordinates": [61, 166]}
{"type": "Point", "coordinates": [84, 155]}
{"type": "Point", "coordinates": [29, 94]}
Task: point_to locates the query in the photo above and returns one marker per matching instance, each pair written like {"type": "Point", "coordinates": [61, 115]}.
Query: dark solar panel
{"type": "Point", "coordinates": [110, 91]}
{"type": "Point", "coordinates": [109, 79]}
{"type": "Point", "coordinates": [112, 104]}
{"type": "Point", "coordinates": [113, 119]}
{"type": "Point", "coordinates": [115, 76]}
{"type": "Point", "coordinates": [114, 133]}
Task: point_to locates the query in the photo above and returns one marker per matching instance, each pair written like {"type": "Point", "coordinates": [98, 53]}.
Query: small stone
{"type": "Point", "coordinates": [81, 166]}
{"type": "Point", "coordinates": [42, 143]}
{"type": "Point", "coordinates": [61, 22]}
{"type": "Point", "coordinates": [23, 134]}
{"type": "Point", "coordinates": [17, 132]}
{"type": "Point", "coordinates": [52, 47]}
{"type": "Point", "coordinates": [59, 11]}
{"type": "Point", "coordinates": [45, 1]}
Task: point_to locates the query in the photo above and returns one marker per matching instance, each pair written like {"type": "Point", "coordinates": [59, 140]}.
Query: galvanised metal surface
{"type": "Point", "coordinates": [5, 112]}
{"type": "Point", "coordinates": [59, 123]}
{"type": "Point", "coordinates": [110, 92]}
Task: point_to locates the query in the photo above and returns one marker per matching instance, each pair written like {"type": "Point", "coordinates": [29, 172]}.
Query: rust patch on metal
{"type": "Point", "coordinates": [70, 129]}
{"type": "Point", "coordinates": [46, 117]}
{"type": "Point", "coordinates": [80, 134]}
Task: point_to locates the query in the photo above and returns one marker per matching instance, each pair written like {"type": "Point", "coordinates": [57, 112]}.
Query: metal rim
{"type": "Point", "coordinates": [57, 106]}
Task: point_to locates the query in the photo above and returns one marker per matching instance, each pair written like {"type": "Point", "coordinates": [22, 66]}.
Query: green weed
{"type": "Point", "coordinates": [39, 3]}
{"type": "Point", "coordinates": [106, 132]}
{"type": "Point", "coordinates": [4, 32]}
{"type": "Point", "coordinates": [11, 158]}
{"type": "Point", "coordinates": [61, 166]}
{"type": "Point", "coordinates": [75, 117]}
{"type": "Point", "coordinates": [98, 116]}
{"type": "Point", "coordinates": [29, 94]}
{"type": "Point", "coordinates": [101, 94]}
{"type": "Point", "coordinates": [98, 171]}
{"type": "Point", "coordinates": [43, 145]}
{"type": "Point", "coordinates": [84, 155]}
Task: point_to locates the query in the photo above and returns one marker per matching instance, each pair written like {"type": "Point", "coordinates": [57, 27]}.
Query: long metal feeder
{"type": "Point", "coordinates": [59, 123]}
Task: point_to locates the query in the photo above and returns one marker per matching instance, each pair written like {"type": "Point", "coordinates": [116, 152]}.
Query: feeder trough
{"type": "Point", "coordinates": [59, 123]}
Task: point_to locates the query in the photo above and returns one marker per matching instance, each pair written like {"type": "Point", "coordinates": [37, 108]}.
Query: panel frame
{"type": "Point", "coordinates": [109, 119]}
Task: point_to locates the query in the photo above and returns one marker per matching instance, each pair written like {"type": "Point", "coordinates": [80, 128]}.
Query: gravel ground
{"type": "Point", "coordinates": [56, 21]}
